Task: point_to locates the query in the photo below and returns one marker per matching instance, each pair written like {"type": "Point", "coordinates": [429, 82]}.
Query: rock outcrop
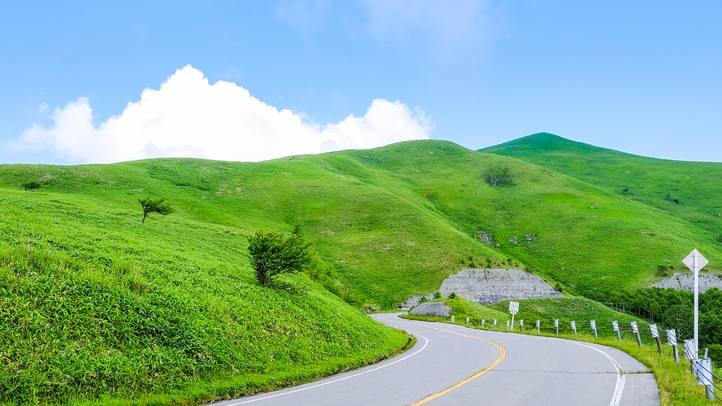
{"type": "Point", "coordinates": [488, 286]}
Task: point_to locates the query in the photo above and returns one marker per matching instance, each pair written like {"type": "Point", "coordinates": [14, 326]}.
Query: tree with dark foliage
{"type": "Point", "coordinates": [154, 206]}
{"type": "Point", "coordinates": [272, 254]}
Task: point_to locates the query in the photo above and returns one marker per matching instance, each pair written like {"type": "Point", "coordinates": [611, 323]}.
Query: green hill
{"type": "Point", "coordinates": [81, 278]}
{"type": "Point", "coordinates": [656, 182]}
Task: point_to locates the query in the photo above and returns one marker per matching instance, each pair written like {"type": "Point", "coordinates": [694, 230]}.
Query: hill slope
{"type": "Point", "coordinates": [93, 304]}
{"type": "Point", "coordinates": [394, 221]}
{"type": "Point", "coordinates": [82, 279]}
{"type": "Point", "coordinates": [695, 185]}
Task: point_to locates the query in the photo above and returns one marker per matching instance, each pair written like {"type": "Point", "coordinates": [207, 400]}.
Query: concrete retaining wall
{"type": "Point", "coordinates": [685, 281]}
{"type": "Point", "coordinates": [488, 286]}
{"type": "Point", "coordinates": [439, 309]}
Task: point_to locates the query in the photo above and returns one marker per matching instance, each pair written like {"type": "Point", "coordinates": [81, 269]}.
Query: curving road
{"type": "Point", "coordinates": [454, 365]}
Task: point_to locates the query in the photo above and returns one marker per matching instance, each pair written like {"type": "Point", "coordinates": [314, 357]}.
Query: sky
{"type": "Point", "coordinates": [98, 82]}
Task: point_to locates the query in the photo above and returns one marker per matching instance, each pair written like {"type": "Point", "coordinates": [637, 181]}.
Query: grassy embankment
{"type": "Point", "coordinates": [97, 308]}
{"type": "Point", "coordinates": [677, 386]}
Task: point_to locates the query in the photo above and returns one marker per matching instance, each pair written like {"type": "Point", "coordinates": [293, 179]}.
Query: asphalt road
{"type": "Point", "coordinates": [453, 365]}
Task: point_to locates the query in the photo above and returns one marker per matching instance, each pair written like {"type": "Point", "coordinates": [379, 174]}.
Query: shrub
{"type": "Point", "coordinates": [31, 185]}
{"type": "Point", "coordinates": [154, 206]}
{"type": "Point", "coordinates": [272, 254]}
{"type": "Point", "coordinates": [452, 295]}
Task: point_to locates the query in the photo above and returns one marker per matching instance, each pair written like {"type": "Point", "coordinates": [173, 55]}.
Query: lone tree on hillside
{"type": "Point", "coordinates": [272, 254]}
{"type": "Point", "coordinates": [31, 185]}
{"type": "Point", "coordinates": [499, 176]}
{"type": "Point", "coordinates": [154, 206]}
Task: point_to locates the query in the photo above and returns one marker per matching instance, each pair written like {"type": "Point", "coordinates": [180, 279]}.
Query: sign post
{"type": "Point", "coordinates": [521, 324]}
{"type": "Point", "coordinates": [635, 330]}
{"type": "Point", "coordinates": [574, 327]}
{"type": "Point", "coordinates": [538, 326]}
{"type": "Point", "coordinates": [594, 327]}
{"type": "Point", "coordinates": [556, 325]}
{"type": "Point", "coordinates": [672, 340]}
{"type": "Point", "coordinates": [695, 262]}
{"type": "Point", "coordinates": [494, 323]}
{"type": "Point", "coordinates": [615, 326]}
{"type": "Point", "coordinates": [655, 335]}
{"type": "Point", "coordinates": [482, 322]}
{"type": "Point", "coordinates": [513, 309]}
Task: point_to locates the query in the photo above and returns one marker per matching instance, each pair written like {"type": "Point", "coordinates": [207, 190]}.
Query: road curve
{"type": "Point", "coordinates": [454, 365]}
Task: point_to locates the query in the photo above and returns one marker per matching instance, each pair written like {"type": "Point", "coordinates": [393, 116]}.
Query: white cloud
{"type": "Point", "coordinates": [188, 117]}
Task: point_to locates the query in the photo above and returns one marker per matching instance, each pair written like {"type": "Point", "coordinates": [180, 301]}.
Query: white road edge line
{"type": "Point", "coordinates": [330, 382]}
{"type": "Point", "coordinates": [621, 377]}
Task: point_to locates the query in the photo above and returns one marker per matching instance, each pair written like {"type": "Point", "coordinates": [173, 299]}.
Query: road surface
{"type": "Point", "coordinates": [454, 365]}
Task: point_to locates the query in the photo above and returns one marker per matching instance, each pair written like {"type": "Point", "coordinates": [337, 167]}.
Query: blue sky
{"type": "Point", "coordinates": [643, 77]}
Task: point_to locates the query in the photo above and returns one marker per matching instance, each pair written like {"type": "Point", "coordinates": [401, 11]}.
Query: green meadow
{"type": "Point", "coordinates": [94, 303]}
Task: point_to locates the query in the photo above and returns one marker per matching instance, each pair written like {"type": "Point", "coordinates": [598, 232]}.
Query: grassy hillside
{"type": "Point", "coordinates": [94, 304]}
{"type": "Point", "coordinates": [394, 221]}
{"type": "Point", "coordinates": [695, 185]}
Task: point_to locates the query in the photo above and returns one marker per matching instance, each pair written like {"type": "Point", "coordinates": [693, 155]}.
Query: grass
{"type": "Point", "coordinates": [646, 181]}
{"type": "Point", "coordinates": [92, 302]}
{"type": "Point", "coordinates": [677, 386]}
{"type": "Point", "coordinates": [94, 306]}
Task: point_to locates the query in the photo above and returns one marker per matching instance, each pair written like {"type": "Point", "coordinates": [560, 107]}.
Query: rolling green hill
{"type": "Point", "coordinates": [656, 182]}
{"type": "Point", "coordinates": [82, 279]}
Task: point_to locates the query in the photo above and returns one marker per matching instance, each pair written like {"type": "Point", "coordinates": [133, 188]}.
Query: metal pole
{"type": "Point", "coordinates": [696, 303]}
{"type": "Point", "coordinates": [512, 322]}
{"type": "Point", "coordinates": [659, 345]}
{"type": "Point", "coordinates": [619, 335]}
{"type": "Point", "coordinates": [676, 354]}
{"type": "Point", "coordinates": [639, 339]}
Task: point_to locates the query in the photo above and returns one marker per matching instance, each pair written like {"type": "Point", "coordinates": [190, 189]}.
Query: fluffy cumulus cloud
{"type": "Point", "coordinates": [188, 117]}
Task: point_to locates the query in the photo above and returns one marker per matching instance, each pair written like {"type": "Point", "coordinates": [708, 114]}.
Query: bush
{"type": "Point", "coordinates": [452, 295]}
{"type": "Point", "coordinates": [272, 254]}
{"type": "Point", "coordinates": [154, 206]}
{"type": "Point", "coordinates": [31, 185]}
{"type": "Point", "coordinates": [499, 176]}
{"type": "Point", "coordinates": [437, 295]}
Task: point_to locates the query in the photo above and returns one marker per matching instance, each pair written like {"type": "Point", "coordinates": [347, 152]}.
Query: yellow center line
{"type": "Point", "coordinates": [429, 398]}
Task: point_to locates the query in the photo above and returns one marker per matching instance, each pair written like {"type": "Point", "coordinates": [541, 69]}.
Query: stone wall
{"type": "Point", "coordinates": [438, 309]}
{"type": "Point", "coordinates": [488, 286]}
{"type": "Point", "coordinates": [685, 281]}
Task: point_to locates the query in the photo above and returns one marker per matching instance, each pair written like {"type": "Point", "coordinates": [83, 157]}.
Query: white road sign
{"type": "Point", "coordinates": [594, 324]}
{"type": "Point", "coordinates": [521, 323]}
{"type": "Point", "coordinates": [556, 322]}
{"type": "Point", "coordinates": [701, 261]}
{"type": "Point", "coordinates": [671, 337]}
{"type": "Point", "coordinates": [655, 332]}
{"type": "Point", "coordinates": [513, 307]}
{"type": "Point", "coordinates": [635, 328]}
{"type": "Point", "coordinates": [615, 325]}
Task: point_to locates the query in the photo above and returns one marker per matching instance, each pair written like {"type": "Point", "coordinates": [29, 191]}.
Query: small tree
{"type": "Point", "coordinates": [154, 206]}
{"type": "Point", "coordinates": [31, 185]}
{"type": "Point", "coordinates": [499, 176]}
{"type": "Point", "coordinates": [272, 254]}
